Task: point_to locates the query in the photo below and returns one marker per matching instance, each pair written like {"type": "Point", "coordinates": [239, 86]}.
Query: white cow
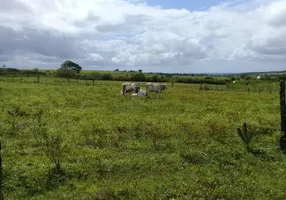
{"type": "Point", "coordinates": [155, 87]}
{"type": "Point", "coordinates": [140, 93]}
{"type": "Point", "coordinates": [128, 87]}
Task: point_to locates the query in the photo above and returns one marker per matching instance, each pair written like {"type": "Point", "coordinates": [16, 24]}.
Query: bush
{"type": "Point", "coordinates": [65, 73]}
{"type": "Point", "coordinates": [95, 76]}
{"type": "Point", "coordinates": [201, 81]}
{"type": "Point", "coordinates": [106, 77]}
{"type": "Point", "coordinates": [32, 72]}
{"type": "Point", "coordinates": [138, 77]}
{"type": "Point", "coordinates": [3, 71]}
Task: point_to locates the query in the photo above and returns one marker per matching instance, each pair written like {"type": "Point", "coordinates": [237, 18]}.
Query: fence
{"type": "Point", "coordinates": [45, 80]}
{"type": "Point", "coordinates": [1, 175]}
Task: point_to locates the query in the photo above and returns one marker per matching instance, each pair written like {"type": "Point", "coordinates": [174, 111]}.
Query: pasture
{"type": "Point", "coordinates": [183, 145]}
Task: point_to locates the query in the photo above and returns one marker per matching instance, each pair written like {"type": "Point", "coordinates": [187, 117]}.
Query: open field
{"type": "Point", "coordinates": [182, 145]}
{"type": "Point", "coordinates": [242, 81]}
{"type": "Point", "coordinates": [252, 86]}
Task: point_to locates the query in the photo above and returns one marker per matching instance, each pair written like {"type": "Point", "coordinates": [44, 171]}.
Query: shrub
{"type": "Point", "coordinates": [65, 73]}
{"type": "Point", "coordinates": [106, 77]}
{"type": "Point", "coordinates": [138, 77]}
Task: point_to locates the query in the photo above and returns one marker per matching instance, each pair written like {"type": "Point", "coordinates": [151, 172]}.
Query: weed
{"type": "Point", "coordinates": [245, 135]}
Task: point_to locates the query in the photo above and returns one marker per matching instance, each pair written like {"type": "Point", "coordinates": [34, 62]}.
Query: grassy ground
{"type": "Point", "coordinates": [252, 86]}
{"type": "Point", "coordinates": [182, 145]}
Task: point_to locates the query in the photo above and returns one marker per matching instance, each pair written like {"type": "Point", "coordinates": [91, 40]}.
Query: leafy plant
{"type": "Point", "coordinates": [95, 135]}
{"type": "Point", "coordinates": [38, 125]}
{"type": "Point", "coordinates": [14, 118]}
{"type": "Point", "coordinates": [245, 135]}
{"type": "Point", "coordinates": [54, 148]}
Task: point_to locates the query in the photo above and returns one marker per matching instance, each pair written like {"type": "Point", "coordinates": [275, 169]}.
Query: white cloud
{"type": "Point", "coordinates": [112, 33]}
{"type": "Point", "coordinates": [95, 56]}
{"type": "Point", "coordinates": [277, 14]}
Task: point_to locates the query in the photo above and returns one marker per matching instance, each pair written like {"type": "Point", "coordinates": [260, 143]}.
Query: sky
{"type": "Point", "coordinates": [187, 36]}
{"type": "Point", "coordinates": [191, 5]}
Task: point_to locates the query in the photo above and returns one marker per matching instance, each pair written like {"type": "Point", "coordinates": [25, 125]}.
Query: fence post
{"type": "Point", "coordinates": [283, 115]}
{"type": "Point", "coordinates": [1, 176]}
{"type": "Point", "coordinates": [282, 106]}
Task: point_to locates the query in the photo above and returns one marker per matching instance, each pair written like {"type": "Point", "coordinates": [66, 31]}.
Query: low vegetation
{"type": "Point", "coordinates": [245, 135]}
{"type": "Point", "coordinates": [71, 70]}
{"type": "Point", "coordinates": [63, 140]}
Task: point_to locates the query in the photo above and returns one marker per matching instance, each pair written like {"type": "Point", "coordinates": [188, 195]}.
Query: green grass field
{"type": "Point", "coordinates": [183, 145]}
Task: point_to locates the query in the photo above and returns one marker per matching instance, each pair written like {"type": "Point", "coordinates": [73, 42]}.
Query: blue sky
{"type": "Point", "coordinates": [186, 4]}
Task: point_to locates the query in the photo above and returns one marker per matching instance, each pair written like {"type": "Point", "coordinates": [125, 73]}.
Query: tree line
{"type": "Point", "coordinates": [72, 70]}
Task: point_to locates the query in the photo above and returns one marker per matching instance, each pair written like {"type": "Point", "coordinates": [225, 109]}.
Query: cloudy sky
{"type": "Point", "coordinates": [152, 35]}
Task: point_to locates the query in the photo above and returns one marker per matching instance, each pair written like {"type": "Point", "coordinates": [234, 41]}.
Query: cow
{"type": "Point", "coordinates": [140, 93]}
{"type": "Point", "coordinates": [128, 87]}
{"type": "Point", "coordinates": [155, 87]}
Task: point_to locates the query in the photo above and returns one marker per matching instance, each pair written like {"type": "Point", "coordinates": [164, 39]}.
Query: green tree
{"type": "Point", "coordinates": [171, 79]}
{"type": "Point", "coordinates": [65, 73]}
{"type": "Point", "coordinates": [138, 77]}
{"type": "Point", "coordinates": [72, 66]}
{"type": "Point", "coordinates": [245, 77]}
{"type": "Point", "coordinates": [154, 78]}
{"type": "Point", "coordinates": [106, 77]}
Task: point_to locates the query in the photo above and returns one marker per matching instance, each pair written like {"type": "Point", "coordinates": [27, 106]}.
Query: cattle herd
{"type": "Point", "coordinates": [135, 88]}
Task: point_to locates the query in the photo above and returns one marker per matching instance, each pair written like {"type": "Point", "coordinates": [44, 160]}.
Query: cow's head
{"type": "Point", "coordinates": [164, 86]}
